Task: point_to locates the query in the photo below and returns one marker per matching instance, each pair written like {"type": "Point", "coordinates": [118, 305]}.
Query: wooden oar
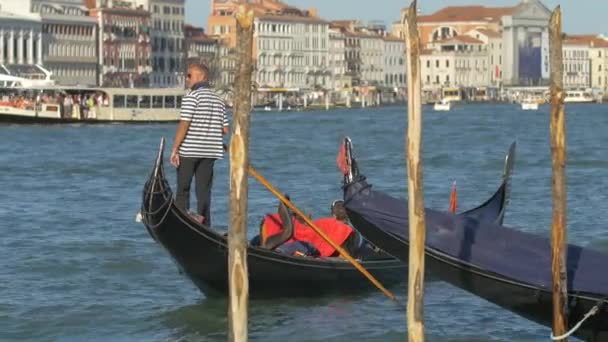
{"type": "Point", "coordinates": [322, 234]}
{"type": "Point", "coordinates": [252, 171]}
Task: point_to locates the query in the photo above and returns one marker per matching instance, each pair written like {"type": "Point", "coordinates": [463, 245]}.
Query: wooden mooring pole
{"type": "Point", "coordinates": [558, 157]}
{"type": "Point", "coordinates": [239, 162]}
{"type": "Point", "coordinates": [417, 224]}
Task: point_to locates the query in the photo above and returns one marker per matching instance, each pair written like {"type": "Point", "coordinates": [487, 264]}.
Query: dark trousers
{"type": "Point", "coordinates": [202, 170]}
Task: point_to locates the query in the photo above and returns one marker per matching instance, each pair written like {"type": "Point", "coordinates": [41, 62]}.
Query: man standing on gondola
{"type": "Point", "coordinates": [198, 141]}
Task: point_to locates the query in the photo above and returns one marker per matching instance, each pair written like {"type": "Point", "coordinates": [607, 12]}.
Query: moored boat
{"type": "Point", "coordinates": [442, 106]}
{"type": "Point", "coordinates": [128, 105]}
{"type": "Point", "coordinates": [202, 253]}
{"type": "Point", "coordinates": [529, 105]}
{"type": "Point", "coordinates": [505, 266]}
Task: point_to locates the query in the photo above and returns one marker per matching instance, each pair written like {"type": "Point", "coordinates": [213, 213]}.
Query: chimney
{"type": "Point", "coordinates": [313, 12]}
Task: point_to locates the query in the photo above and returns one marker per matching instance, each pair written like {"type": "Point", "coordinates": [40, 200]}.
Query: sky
{"type": "Point", "coordinates": [580, 16]}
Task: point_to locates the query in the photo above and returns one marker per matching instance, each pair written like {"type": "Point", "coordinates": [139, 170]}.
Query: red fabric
{"type": "Point", "coordinates": [337, 231]}
{"type": "Point", "coordinates": [453, 199]}
{"type": "Point", "coordinates": [341, 160]}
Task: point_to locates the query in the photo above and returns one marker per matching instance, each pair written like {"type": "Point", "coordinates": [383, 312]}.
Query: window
{"type": "Point", "coordinates": [437, 79]}
{"type": "Point", "coordinates": [437, 63]}
{"type": "Point", "coordinates": [169, 101]}
{"type": "Point", "coordinates": [144, 102]}
{"type": "Point", "coordinates": [447, 63]}
{"type": "Point", "coordinates": [132, 101]}
{"type": "Point", "coordinates": [428, 64]}
{"type": "Point", "coordinates": [157, 102]}
{"type": "Point", "coordinates": [119, 101]}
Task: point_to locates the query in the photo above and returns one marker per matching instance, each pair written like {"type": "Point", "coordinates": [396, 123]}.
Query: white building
{"type": "Point", "coordinates": [69, 48]}
{"type": "Point", "coordinates": [168, 46]}
{"type": "Point", "coordinates": [599, 64]}
{"type": "Point", "coordinates": [461, 61]}
{"type": "Point", "coordinates": [337, 60]}
{"type": "Point", "coordinates": [394, 62]}
{"type": "Point", "coordinates": [526, 44]}
{"type": "Point", "coordinates": [372, 58]}
{"type": "Point", "coordinates": [577, 64]}
{"type": "Point", "coordinates": [493, 42]}
{"type": "Point", "coordinates": [292, 51]}
{"type": "Point", "coordinates": [21, 41]}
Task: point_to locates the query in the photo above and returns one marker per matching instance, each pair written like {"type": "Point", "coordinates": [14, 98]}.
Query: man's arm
{"type": "Point", "coordinates": [182, 129]}
{"type": "Point", "coordinates": [225, 119]}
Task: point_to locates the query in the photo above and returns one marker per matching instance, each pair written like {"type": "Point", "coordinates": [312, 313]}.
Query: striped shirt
{"type": "Point", "coordinates": [207, 115]}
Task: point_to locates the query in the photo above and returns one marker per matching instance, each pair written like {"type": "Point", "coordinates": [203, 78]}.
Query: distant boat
{"type": "Point", "coordinates": [443, 106]}
{"type": "Point", "coordinates": [578, 96]}
{"type": "Point", "coordinates": [529, 105]}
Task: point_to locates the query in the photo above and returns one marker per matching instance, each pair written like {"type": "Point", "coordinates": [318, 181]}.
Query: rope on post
{"type": "Point", "coordinates": [591, 312]}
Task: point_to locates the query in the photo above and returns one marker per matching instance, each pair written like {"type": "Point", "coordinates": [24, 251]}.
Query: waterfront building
{"type": "Point", "coordinates": [167, 39]}
{"type": "Point", "coordinates": [493, 46]}
{"type": "Point", "coordinates": [577, 63]}
{"type": "Point", "coordinates": [457, 62]}
{"type": "Point", "coordinates": [352, 48]}
{"type": "Point", "coordinates": [124, 44]}
{"type": "Point", "coordinates": [222, 23]}
{"type": "Point", "coordinates": [21, 41]}
{"type": "Point", "coordinates": [523, 29]}
{"type": "Point", "coordinates": [372, 58]}
{"type": "Point", "coordinates": [201, 48]}
{"type": "Point", "coordinates": [394, 63]}
{"type": "Point", "coordinates": [210, 51]}
{"type": "Point", "coordinates": [68, 40]}
{"type": "Point", "coordinates": [292, 51]}
{"type": "Point", "coordinates": [337, 60]}
{"type": "Point", "coordinates": [599, 64]}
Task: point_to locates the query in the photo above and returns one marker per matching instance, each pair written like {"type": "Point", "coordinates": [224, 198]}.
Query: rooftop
{"type": "Point", "coordinates": [489, 33]}
{"type": "Point", "coordinates": [468, 13]}
{"type": "Point", "coordinates": [459, 39]}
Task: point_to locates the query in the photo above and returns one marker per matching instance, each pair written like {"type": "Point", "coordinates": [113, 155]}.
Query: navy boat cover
{"type": "Point", "coordinates": [504, 251]}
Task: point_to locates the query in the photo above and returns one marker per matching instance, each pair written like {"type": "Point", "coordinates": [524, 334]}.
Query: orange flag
{"type": "Point", "coordinates": [453, 199]}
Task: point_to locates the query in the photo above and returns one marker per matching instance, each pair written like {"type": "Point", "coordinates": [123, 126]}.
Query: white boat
{"type": "Point", "coordinates": [529, 105]}
{"type": "Point", "coordinates": [111, 105]}
{"type": "Point", "coordinates": [578, 96]}
{"type": "Point", "coordinates": [443, 106]}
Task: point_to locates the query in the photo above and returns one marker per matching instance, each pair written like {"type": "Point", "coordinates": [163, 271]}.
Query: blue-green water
{"type": "Point", "coordinates": [74, 266]}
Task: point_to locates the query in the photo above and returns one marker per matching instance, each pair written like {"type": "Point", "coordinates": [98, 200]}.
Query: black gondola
{"type": "Point", "coordinates": [202, 253]}
{"type": "Point", "coordinates": [503, 265]}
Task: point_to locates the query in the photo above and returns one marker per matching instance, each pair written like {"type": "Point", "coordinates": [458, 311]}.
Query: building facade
{"type": "Point", "coordinates": [523, 31]}
{"type": "Point", "coordinates": [168, 42]}
{"type": "Point", "coordinates": [21, 39]}
{"type": "Point", "coordinates": [460, 61]}
{"type": "Point", "coordinates": [372, 59]}
{"type": "Point", "coordinates": [337, 60]}
{"type": "Point", "coordinates": [21, 46]}
{"type": "Point", "coordinates": [577, 64]}
{"type": "Point", "coordinates": [69, 48]}
{"type": "Point", "coordinates": [394, 63]}
{"type": "Point", "coordinates": [124, 44]}
{"type": "Point", "coordinates": [292, 51]}
{"type": "Point", "coordinates": [599, 64]}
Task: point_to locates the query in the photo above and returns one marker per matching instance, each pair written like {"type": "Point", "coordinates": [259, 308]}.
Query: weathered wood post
{"type": "Point", "coordinates": [417, 224]}
{"type": "Point", "coordinates": [558, 157]}
{"type": "Point", "coordinates": [239, 162]}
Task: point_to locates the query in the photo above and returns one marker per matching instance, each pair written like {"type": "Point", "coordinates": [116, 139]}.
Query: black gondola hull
{"type": "Point", "coordinates": [202, 253]}
{"type": "Point", "coordinates": [530, 302]}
